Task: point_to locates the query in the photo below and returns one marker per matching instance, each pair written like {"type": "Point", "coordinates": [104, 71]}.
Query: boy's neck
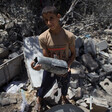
{"type": "Point", "coordinates": [59, 28]}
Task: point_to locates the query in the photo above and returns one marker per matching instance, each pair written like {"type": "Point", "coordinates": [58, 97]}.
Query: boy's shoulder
{"type": "Point", "coordinates": [68, 33]}
{"type": "Point", "coordinates": [44, 34]}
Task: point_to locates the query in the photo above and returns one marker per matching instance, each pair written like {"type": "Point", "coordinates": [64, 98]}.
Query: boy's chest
{"type": "Point", "coordinates": [58, 46]}
{"type": "Point", "coordinates": [57, 41]}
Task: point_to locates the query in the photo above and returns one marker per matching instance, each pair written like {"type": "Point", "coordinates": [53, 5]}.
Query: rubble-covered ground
{"type": "Point", "coordinates": [90, 21]}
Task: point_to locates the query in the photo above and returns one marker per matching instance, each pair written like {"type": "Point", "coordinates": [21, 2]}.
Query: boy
{"type": "Point", "coordinates": [56, 42]}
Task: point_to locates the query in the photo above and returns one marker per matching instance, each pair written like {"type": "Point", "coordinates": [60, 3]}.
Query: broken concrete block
{"type": "Point", "coordinates": [78, 42]}
{"type": "Point", "coordinates": [104, 54]}
{"type": "Point", "coordinates": [74, 92]}
{"type": "Point", "coordinates": [89, 62]}
{"type": "Point", "coordinates": [108, 31]}
{"type": "Point", "coordinates": [102, 95]}
{"type": "Point", "coordinates": [102, 75]}
{"type": "Point", "coordinates": [107, 68]}
{"type": "Point", "coordinates": [90, 46]}
{"type": "Point", "coordinates": [93, 77]}
{"type": "Point", "coordinates": [5, 101]}
{"type": "Point", "coordinates": [102, 45]}
{"type": "Point", "coordinates": [13, 55]}
{"type": "Point", "coordinates": [74, 84]}
{"type": "Point", "coordinates": [3, 35]}
{"type": "Point", "coordinates": [102, 61]}
{"type": "Point", "coordinates": [81, 102]}
{"type": "Point", "coordinates": [13, 100]}
{"type": "Point", "coordinates": [109, 99]}
{"type": "Point", "coordinates": [107, 86]}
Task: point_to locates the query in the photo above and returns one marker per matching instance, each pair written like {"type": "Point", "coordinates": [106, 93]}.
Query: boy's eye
{"type": "Point", "coordinates": [45, 20]}
{"type": "Point", "coordinates": [51, 18]}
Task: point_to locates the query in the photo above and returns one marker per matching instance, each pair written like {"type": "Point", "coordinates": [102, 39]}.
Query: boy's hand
{"type": "Point", "coordinates": [69, 69]}
{"type": "Point", "coordinates": [37, 67]}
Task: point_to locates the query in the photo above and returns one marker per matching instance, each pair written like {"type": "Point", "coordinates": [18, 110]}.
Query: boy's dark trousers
{"type": "Point", "coordinates": [48, 81]}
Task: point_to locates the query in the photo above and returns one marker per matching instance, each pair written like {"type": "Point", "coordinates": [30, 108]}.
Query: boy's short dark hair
{"type": "Point", "coordinates": [49, 9]}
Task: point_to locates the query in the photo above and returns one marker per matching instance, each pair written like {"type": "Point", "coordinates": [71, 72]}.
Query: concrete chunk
{"type": "Point", "coordinates": [108, 31]}
{"type": "Point", "coordinates": [78, 42]}
{"type": "Point", "coordinates": [90, 46]}
{"type": "Point", "coordinates": [89, 62]}
{"type": "Point", "coordinates": [74, 92]}
{"type": "Point", "coordinates": [107, 86]}
{"type": "Point", "coordinates": [93, 77]}
{"type": "Point", "coordinates": [74, 84]}
{"type": "Point", "coordinates": [107, 68]}
{"type": "Point", "coordinates": [102, 45]}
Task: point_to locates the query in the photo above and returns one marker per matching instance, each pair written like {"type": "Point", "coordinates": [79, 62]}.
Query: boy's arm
{"type": "Point", "coordinates": [45, 53]}
{"type": "Point", "coordinates": [72, 57]}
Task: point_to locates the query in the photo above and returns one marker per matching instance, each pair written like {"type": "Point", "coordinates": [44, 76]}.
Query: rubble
{"type": "Point", "coordinates": [91, 71]}
{"type": "Point", "coordinates": [107, 86]}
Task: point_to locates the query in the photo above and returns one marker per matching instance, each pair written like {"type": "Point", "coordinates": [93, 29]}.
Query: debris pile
{"type": "Point", "coordinates": [91, 81]}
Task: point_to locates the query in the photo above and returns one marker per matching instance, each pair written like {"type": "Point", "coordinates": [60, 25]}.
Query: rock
{"type": "Point", "coordinates": [108, 31]}
{"type": "Point", "coordinates": [93, 77]}
{"type": "Point", "coordinates": [12, 100]}
{"type": "Point", "coordinates": [13, 55]}
{"type": "Point", "coordinates": [74, 84]}
{"type": "Point", "coordinates": [89, 46]}
{"type": "Point", "coordinates": [78, 42]}
{"type": "Point", "coordinates": [9, 25]}
{"type": "Point", "coordinates": [81, 102]}
{"type": "Point", "coordinates": [3, 36]}
{"type": "Point", "coordinates": [107, 68]}
{"type": "Point", "coordinates": [77, 93]}
{"type": "Point", "coordinates": [110, 59]}
{"type": "Point", "coordinates": [102, 45]}
{"type": "Point", "coordinates": [107, 86]}
{"type": "Point", "coordinates": [2, 20]}
{"type": "Point", "coordinates": [89, 62]}
{"type": "Point", "coordinates": [4, 52]}
{"type": "Point", "coordinates": [4, 102]}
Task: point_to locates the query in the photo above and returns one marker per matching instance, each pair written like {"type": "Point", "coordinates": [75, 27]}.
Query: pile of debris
{"type": "Point", "coordinates": [91, 80]}
{"type": "Point", "coordinates": [92, 72]}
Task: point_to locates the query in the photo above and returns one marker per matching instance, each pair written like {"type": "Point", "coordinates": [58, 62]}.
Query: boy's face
{"type": "Point", "coordinates": [51, 20]}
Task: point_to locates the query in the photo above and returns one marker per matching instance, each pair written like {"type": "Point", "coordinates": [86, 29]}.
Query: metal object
{"type": "Point", "coordinates": [52, 65]}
